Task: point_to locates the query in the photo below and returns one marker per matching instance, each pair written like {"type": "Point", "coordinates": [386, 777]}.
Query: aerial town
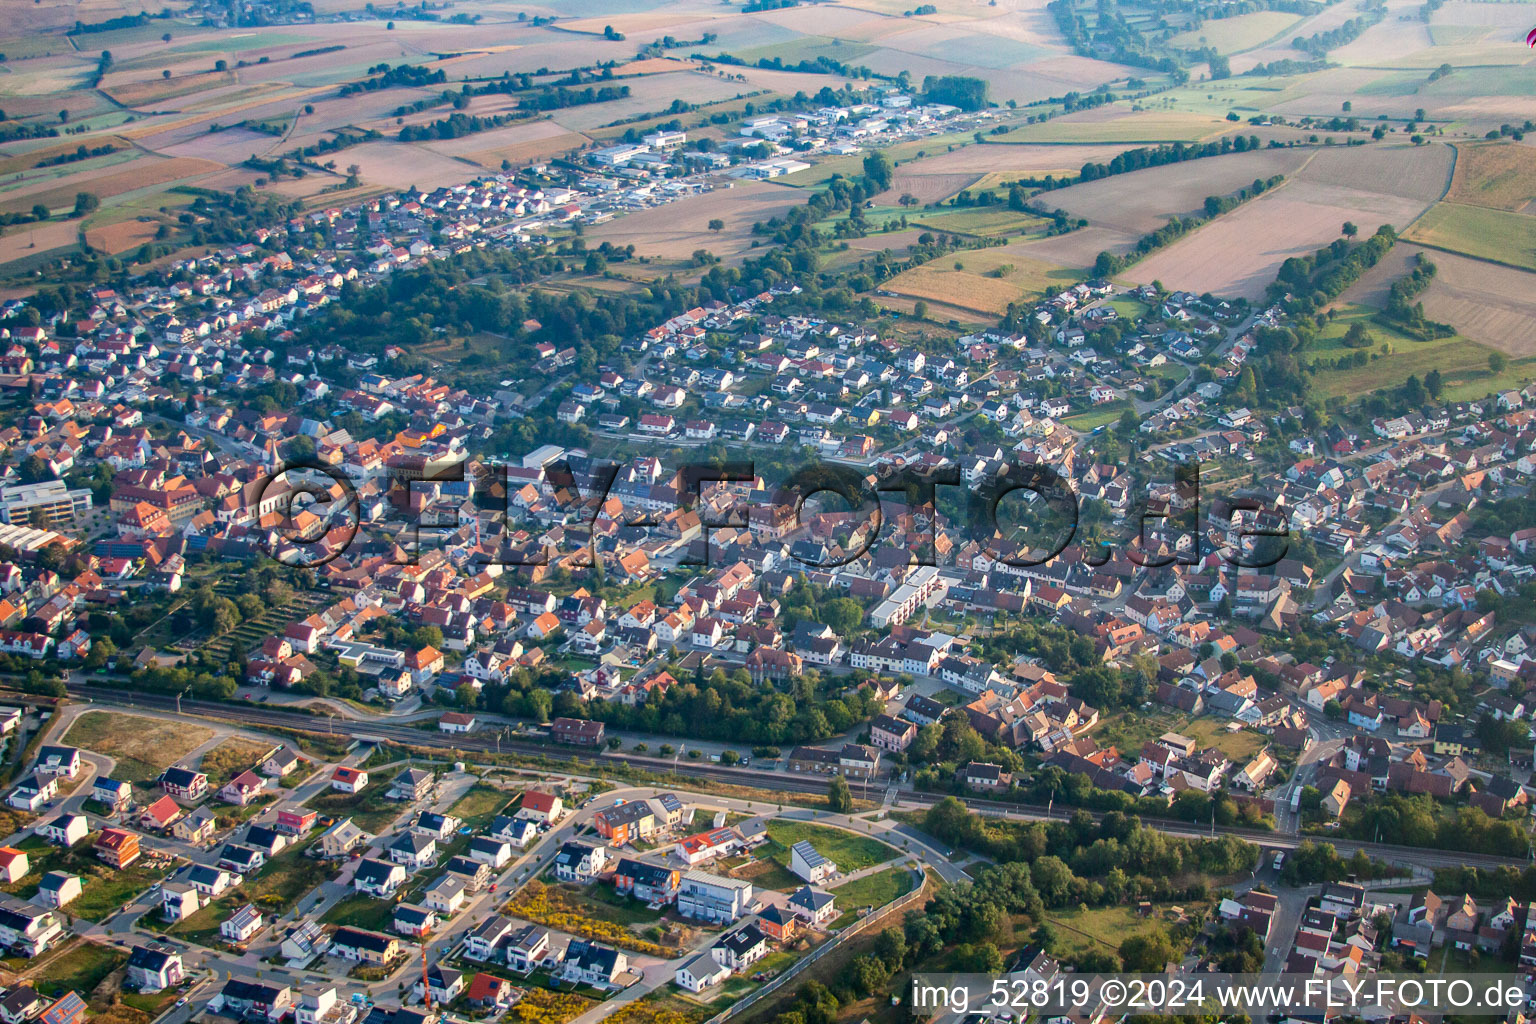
{"type": "Point", "coordinates": [669, 513]}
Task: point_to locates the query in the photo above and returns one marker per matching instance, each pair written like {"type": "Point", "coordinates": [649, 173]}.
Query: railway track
{"type": "Point", "coordinates": [258, 714]}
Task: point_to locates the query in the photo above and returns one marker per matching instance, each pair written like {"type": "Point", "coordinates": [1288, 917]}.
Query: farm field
{"type": "Point", "coordinates": [985, 221]}
{"type": "Point", "coordinates": [142, 747]}
{"type": "Point", "coordinates": [1119, 124]}
{"type": "Point", "coordinates": [939, 175]}
{"type": "Point", "coordinates": [1238, 254]}
{"type": "Point", "coordinates": [1075, 248]}
{"type": "Point", "coordinates": [676, 230]}
{"type": "Point", "coordinates": [1490, 304]}
{"type": "Point", "coordinates": [1231, 35]}
{"type": "Point", "coordinates": [1479, 231]}
{"type": "Point", "coordinates": [139, 174]}
{"type": "Point", "coordinates": [1142, 201]}
{"type": "Point", "coordinates": [1497, 175]}
{"type": "Point", "coordinates": [1462, 363]}
{"type": "Point", "coordinates": [974, 288]}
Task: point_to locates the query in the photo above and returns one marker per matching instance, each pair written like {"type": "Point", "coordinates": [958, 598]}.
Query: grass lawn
{"type": "Point", "coordinates": [1169, 373]}
{"type": "Point", "coordinates": [283, 880]}
{"type": "Point", "coordinates": [766, 873]}
{"type": "Point", "coordinates": [479, 805]}
{"type": "Point", "coordinates": [361, 911]}
{"type": "Point", "coordinates": [1098, 416]}
{"type": "Point", "coordinates": [1098, 930]}
{"type": "Point", "coordinates": [81, 967]}
{"type": "Point", "coordinates": [1478, 231]}
{"type": "Point", "coordinates": [1128, 308]}
{"type": "Point", "coordinates": [142, 747]}
{"type": "Point", "coordinates": [275, 889]}
{"type": "Point", "coordinates": [152, 1003]}
{"type": "Point", "coordinates": [1240, 746]}
{"type": "Point", "coordinates": [104, 890]}
{"type": "Point", "coordinates": [606, 904]}
{"type": "Point", "coordinates": [370, 810]}
{"type": "Point", "coordinates": [874, 890]}
{"type": "Point", "coordinates": [850, 852]}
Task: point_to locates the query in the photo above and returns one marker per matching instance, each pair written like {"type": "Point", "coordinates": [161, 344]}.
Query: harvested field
{"type": "Point", "coordinates": [32, 240]}
{"type": "Point", "coordinates": [1491, 304]}
{"type": "Point", "coordinates": [656, 66]}
{"type": "Point", "coordinates": [532, 151]}
{"type": "Point", "coordinates": [1039, 80]}
{"type": "Point", "coordinates": [532, 134]}
{"type": "Point", "coordinates": [157, 89]}
{"type": "Point", "coordinates": [677, 229]}
{"type": "Point", "coordinates": [840, 22]}
{"type": "Point", "coordinates": [942, 174]}
{"type": "Point", "coordinates": [1076, 248]}
{"type": "Point", "coordinates": [1231, 35]}
{"type": "Point", "coordinates": [968, 45]}
{"type": "Point", "coordinates": [398, 165]}
{"type": "Point", "coordinates": [641, 21]}
{"type": "Point", "coordinates": [140, 174]}
{"type": "Point", "coordinates": [1373, 286]}
{"type": "Point", "coordinates": [230, 146]}
{"type": "Point", "coordinates": [1117, 123]}
{"type": "Point", "coordinates": [1238, 254]}
{"type": "Point", "coordinates": [1478, 231]}
{"type": "Point", "coordinates": [1142, 201]}
{"type": "Point", "coordinates": [122, 236]}
{"type": "Point", "coordinates": [651, 94]}
{"type": "Point", "coordinates": [1401, 34]}
{"type": "Point", "coordinates": [1329, 18]}
{"type": "Point", "coordinates": [1410, 172]}
{"type": "Point", "coordinates": [972, 288]}
{"type": "Point", "coordinates": [1501, 175]}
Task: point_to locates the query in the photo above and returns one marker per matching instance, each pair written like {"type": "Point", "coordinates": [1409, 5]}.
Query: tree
{"type": "Point", "coordinates": [1497, 362]}
{"type": "Point", "coordinates": [41, 212]}
{"type": "Point", "coordinates": [165, 38]}
{"type": "Point", "coordinates": [716, 224]}
{"type": "Point", "coordinates": [843, 614]}
{"type": "Point", "coordinates": [1149, 952]}
{"type": "Point", "coordinates": [878, 171]}
{"type": "Point", "coordinates": [166, 74]}
{"type": "Point", "coordinates": [839, 796]}
{"type": "Point", "coordinates": [891, 948]}
{"type": "Point", "coordinates": [86, 202]}
{"type": "Point", "coordinates": [221, 65]}
{"type": "Point", "coordinates": [920, 309]}
{"type": "Point", "coordinates": [1433, 383]}
{"type": "Point", "coordinates": [1350, 230]}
